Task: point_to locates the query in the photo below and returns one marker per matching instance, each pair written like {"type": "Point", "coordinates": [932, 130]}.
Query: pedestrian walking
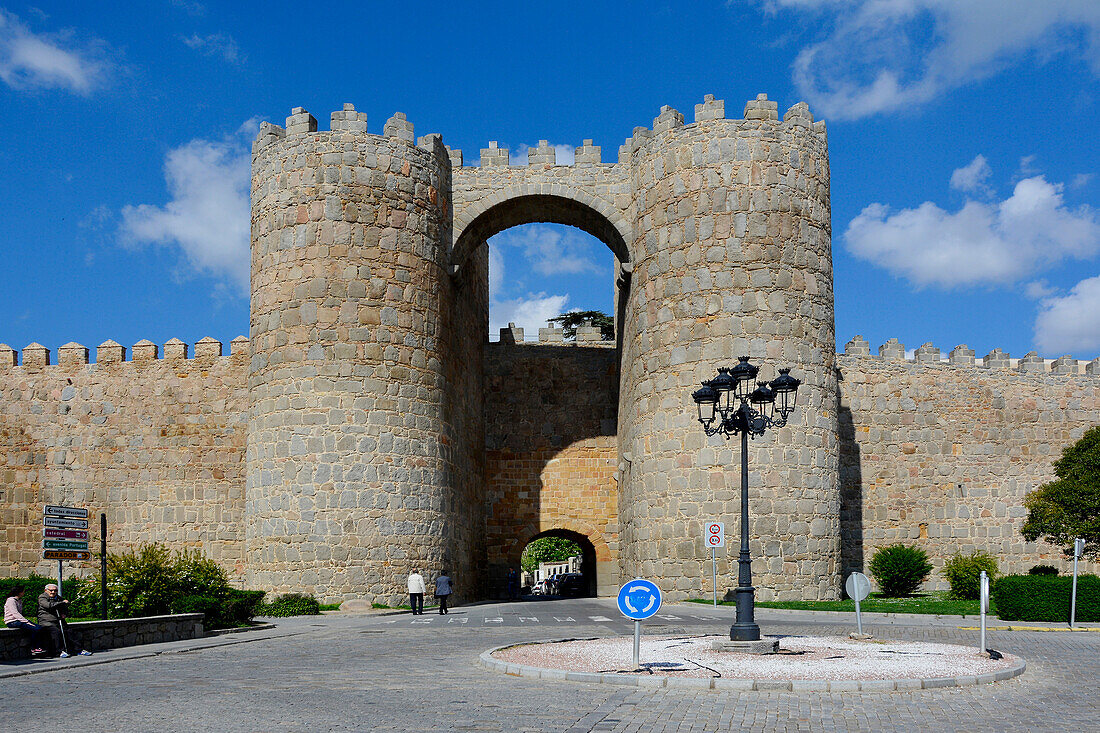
{"type": "Point", "coordinates": [14, 619]}
{"type": "Point", "coordinates": [416, 592]}
{"type": "Point", "coordinates": [52, 610]}
{"type": "Point", "coordinates": [443, 589]}
{"type": "Point", "coordinates": [513, 584]}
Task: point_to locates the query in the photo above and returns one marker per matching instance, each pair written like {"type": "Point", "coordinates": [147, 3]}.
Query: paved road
{"type": "Point", "coordinates": [405, 673]}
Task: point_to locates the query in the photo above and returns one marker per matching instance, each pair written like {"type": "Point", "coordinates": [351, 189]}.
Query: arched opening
{"type": "Point", "coordinates": [555, 574]}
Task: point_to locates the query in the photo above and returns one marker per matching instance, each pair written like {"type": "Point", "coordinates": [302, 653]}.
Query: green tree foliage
{"type": "Point", "coordinates": [547, 549]}
{"type": "Point", "coordinates": [900, 569]}
{"type": "Point", "coordinates": [964, 573]}
{"type": "Point", "coordinates": [570, 321]}
{"type": "Point", "coordinates": [1069, 506]}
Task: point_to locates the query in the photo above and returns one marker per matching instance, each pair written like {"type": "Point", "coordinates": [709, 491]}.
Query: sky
{"type": "Point", "coordinates": [962, 136]}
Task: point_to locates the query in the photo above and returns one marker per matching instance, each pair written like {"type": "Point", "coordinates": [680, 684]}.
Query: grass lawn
{"type": "Point", "coordinates": [934, 603]}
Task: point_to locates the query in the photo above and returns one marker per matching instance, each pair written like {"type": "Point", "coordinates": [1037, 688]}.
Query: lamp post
{"type": "Point", "coordinates": [728, 407]}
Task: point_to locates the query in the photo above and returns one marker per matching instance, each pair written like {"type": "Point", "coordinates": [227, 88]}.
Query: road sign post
{"type": "Point", "coordinates": [714, 537]}
{"type": "Point", "coordinates": [64, 536]}
{"type": "Point", "coordinates": [1078, 550]}
{"type": "Point", "coordinates": [858, 587]}
{"type": "Point", "coordinates": [638, 599]}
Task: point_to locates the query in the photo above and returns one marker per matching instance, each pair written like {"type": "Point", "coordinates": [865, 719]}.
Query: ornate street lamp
{"type": "Point", "coordinates": [728, 407]}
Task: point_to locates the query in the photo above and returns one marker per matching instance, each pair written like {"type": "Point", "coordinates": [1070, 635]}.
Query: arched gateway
{"type": "Point", "coordinates": [385, 432]}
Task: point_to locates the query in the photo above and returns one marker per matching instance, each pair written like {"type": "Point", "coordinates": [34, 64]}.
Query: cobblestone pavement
{"type": "Point", "coordinates": [385, 673]}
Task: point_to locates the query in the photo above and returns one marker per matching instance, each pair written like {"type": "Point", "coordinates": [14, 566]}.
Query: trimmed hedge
{"type": "Point", "coordinates": [1045, 598]}
{"type": "Point", "coordinates": [290, 604]}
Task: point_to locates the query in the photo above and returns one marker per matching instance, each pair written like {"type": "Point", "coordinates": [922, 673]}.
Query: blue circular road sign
{"type": "Point", "coordinates": [639, 599]}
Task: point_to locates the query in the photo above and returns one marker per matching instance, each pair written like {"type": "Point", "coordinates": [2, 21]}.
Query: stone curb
{"type": "Point", "coordinates": [487, 660]}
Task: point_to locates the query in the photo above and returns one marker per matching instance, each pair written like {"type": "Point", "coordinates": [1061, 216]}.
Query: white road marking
{"type": "Point", "coordinates": [599, 618]}
{"type": "Point", "coordinates": [567, 619]}
{"type": "Point", "coordinates": [524, 619]}
{"type": "Point", "coordinates": [459, 620]}
{"type": "Point", "coordinates": [668, 617]}
{"type": "Point", "coordinates": [497, 620]}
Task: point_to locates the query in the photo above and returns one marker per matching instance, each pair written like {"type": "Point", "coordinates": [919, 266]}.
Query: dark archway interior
{"type": "Point", "coordinates": [588, 555]}
{"type": "Point", "coordinates": [538, 209]}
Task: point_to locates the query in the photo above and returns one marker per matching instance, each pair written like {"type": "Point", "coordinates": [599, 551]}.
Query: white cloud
{"type": "Point", "coordinates": [973, 177]}
{"type": "Point", "coordinates": [1070, 323]}
{"type": "Point", "coordinates": [550, 250]}
{"type": "Point", "coordinates": [1039, 289]}
{"type": "Point", "coordinates": [1081, 180]}
{"type": "Point", "coordinates": [208, 214]}
{"type": "Point", "coordinates": [886, 55]}
{"type": "Point", "coordinates": [530, 313]}
{"type": "Point", "coordinates": [982, 243]}
{"type": "Point", "coordinates": [217, 44]}
{"type": "Point", "coordinates": [47, 61]}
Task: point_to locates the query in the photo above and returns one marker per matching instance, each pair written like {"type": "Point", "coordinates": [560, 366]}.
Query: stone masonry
{"type": "Point", "coordinates": [367, 427]}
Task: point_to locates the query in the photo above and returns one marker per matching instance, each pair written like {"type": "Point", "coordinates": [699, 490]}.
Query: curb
{"type": "Point", "coordinates": [486, 659]}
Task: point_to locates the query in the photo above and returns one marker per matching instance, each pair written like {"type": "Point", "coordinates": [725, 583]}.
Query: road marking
{"type": "Point", "coordinates": [421, 621]}
{"type": "Point", "coordinates": [599, 618]}
{"type": "Point", "coordinates": [565, 620]}
{"type": "Point", "coordinates": [459, 620]}
{"type": "Point", "coordinates": [524, 619]}
{"type": "Point", "coordinates": [497, 620]}
{"type": "Point", "coordinates": [668, 617]}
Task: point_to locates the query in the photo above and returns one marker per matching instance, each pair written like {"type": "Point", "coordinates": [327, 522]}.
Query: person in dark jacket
{"type": "Point", "coordinates": [443, 589]}
{"type": "Point", "coordinates": [52, 609]}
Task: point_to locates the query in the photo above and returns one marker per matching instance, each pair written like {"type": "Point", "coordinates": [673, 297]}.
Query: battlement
{"type": "Point", "coordinates": [587, 335]}
{"type": "Point", "coordinates": [758, 110]}
{"type": "Point", "coordinates": [962, 355]}
{"type": "Point", "coordinates": [37, 356]}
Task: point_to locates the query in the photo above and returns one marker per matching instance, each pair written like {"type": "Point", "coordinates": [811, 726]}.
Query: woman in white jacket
{"type": "Point", "coordinates": [416, 592]}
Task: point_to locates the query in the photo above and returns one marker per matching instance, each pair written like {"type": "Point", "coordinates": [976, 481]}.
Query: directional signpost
{"type": "Point", "coordinates": [1078, 551]}
{"type": "Point", "coordinates": [639, 599]}
{"type": "Point", "coordinates": [714, 537]}
{"type": "Point", "coordinates": [64, 536]}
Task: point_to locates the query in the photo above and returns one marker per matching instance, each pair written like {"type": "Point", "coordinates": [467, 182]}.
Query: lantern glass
{"type": "Point", "coordinates": [706, 399]}
{"type": "Point", "coordinates": [744, 374]}
{"type": "Point", "coordinates": [763, 400]}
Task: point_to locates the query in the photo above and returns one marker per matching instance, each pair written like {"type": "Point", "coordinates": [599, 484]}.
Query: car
{"type": "Point", "coordinates": [539, 589]}
{"type": "Point", "coordinates": [571, 584]}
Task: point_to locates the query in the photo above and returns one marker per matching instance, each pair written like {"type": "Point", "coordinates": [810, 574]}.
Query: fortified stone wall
{"type": "Point", "coordinates": [155, 443]}
{"type": "Point", "coordinates": [551, 449]}
{"type": "Point", "coordinates": [731, 257]}
{"type": "Point", "coordinates": [941, 453]}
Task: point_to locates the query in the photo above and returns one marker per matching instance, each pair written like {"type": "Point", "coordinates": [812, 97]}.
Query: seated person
{"type": "Point", "coordinates": [52, 609]}
{"type": "Point", "coordinates": [14, 619]}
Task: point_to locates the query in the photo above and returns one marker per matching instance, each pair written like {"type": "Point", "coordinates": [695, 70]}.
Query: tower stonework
{"type": "Point", "coordinates": [731, 258]}
{"type": "Point", "coordinates": [367, 427]}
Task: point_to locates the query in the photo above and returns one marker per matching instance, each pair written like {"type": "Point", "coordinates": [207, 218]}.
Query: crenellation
{"type": "Point", "coordinates": [494, 157]}
{"type": "Point", "coordinates": [892, 350]}
{"type": "Point", "coordinates": [175, 349]}
{"type": "Point", "coordinates": [544, 154]}
{"type": "Point", "coordinates": [586, 153]}
{"type": "Point", "coordinates": [300, 122]}
{"type": "Point", "coordinates": [552, 334]}
{"type": "Point", "coordinates": [761, 108]}
{"type": "Point", "coordinates": [858, 346]}
{"type": "Point", "coordinates": [668, 119]}
{"type": "Point", "coordinates": [110, 352]}
{"type": "Point", "coordinates": [268, 134]}
{"type": "Point", "coordinates": [710, 109]}
{"type": "Point", "coordinates": [1093, 367]}
{"type": "Point", "coordinates": [8, 357]}
{"type": "Point", "coordinates": [455, 156]}
{"type": "Point", "coordinates": [927, 354]}
{"type": "Point", "coordinates": [399, 127]}
{"type": "Point", "coordinates": [1065, 364]}
{"type": "Point", "coordinates": [239, 345]}
{"type": "Point", "coordinates": [348, 120]}
{"type": "Point", "coordinates": [144, 350]}
{"type": "Point", "coordinates": [588, 332]}
{"type": "Point", "coordinates": [1031, 363]}
{"type": "Point", "coordinates": [962, 355]}
{"type": "Point", "coordinates": [72, 354]}
{"type": "Point", "coordinates": [433, 143]}
{"type": "Point", "coordinates": [799, 114]}
{"type": "Point", "coordinates": [208, 348]}
{"type": "Point", "coordinates": [997, 359]}
{"type": "Point", "coordinates": [35, 356]}
{"type": "Point", "coordinates": [512, 334]}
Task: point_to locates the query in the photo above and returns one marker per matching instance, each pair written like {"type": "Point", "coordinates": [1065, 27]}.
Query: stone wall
{"type": "Point", "coordinates": [97, 636]}
{"type": "Point", "coordinates": [155, 443]}
{"type": "Point", "coordinates": [551, 450]}
{"type": "Point", "coordinates": [732, 257]}
{"type": "Point", "coordinates": [940, 454]}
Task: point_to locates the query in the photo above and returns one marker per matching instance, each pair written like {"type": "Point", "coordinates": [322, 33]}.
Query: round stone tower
{"type": "Point", "coordinates": [363, 446]}
{"type": "Point", "coordinates": [731, 258]}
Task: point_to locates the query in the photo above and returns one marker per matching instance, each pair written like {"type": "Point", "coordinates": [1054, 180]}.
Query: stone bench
{"type": "Point", "coordinates": [110, 634]}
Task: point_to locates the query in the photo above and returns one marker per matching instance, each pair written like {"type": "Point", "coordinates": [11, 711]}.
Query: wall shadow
{"type": "Point", "coordinates": [851, 490]}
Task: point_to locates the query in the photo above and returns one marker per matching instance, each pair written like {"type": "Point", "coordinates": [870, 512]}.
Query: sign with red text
{"type": "Point", "coordinates": [715, 535]}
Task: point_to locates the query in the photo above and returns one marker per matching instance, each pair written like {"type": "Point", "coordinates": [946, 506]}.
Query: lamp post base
{"type": "Point", "coordinates": [745, 627]}
{"type": "Point", "coordinates": [759, 646]}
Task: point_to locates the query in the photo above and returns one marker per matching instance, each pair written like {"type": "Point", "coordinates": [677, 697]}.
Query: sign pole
{"type": "Point", "coordinates": [59, 564]}
{"type": "Point", "coordinates": [983, 603]}
{"type": "Point", "coordinates": [637, 643]}
{"type": "Point", "coordinates": [714, 575]}
{"type": "Point", "coordinates": [103, 566]}
{"type": "Point", "coordinates": [1078, 548]}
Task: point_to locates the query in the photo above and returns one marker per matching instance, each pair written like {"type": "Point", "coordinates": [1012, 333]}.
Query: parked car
{"type": "Point", "coordinates": [539, 589]}
{"type": "Point", "coordinates": [571, 584]}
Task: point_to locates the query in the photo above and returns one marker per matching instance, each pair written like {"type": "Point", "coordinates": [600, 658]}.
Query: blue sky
{"type": "Point", "coordinates": [962, 138]}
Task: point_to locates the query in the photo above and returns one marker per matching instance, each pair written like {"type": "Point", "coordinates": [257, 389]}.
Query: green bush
{"type": "Point", "coordinates": [964, 572]}
{"type": "Point", "coordinates": [900, 569]}
{"type": "Point", "coordinates": [290, 604]}
{"type": "Point", "coordinates": [34, 585]}
{"type": "Point", "coordinates": [211, 607]}
{"type": "Point", "coordinates": [1043, 570]}
{"type": "Point", "coordinates": [1046, 598]}
{"type": "Point", "coordinates": [240, 605]}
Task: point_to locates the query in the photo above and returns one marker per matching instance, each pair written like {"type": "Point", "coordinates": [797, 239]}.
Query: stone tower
{"type": "Point", "coordinates": [731, 257]}
{"type": "Point", "coordinates": [364, 437]}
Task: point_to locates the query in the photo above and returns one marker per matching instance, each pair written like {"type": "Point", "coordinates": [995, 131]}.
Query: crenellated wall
{"type": "Point", "coordinates": [940, 451]}
{"type": "Point", "coordinates": [155, 443]}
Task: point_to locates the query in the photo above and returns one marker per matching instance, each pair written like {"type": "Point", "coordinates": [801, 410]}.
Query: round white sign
{"type": "Point", "coordinates": [857, 586]}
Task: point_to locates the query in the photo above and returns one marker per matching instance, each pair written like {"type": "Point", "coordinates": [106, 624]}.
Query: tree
{"type": "Point", "coordinates": [1069, 506]}
{"type": "Point", "coordinates": [570, 321]}
{"type": "Point", "coordinates": [547, 549]}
